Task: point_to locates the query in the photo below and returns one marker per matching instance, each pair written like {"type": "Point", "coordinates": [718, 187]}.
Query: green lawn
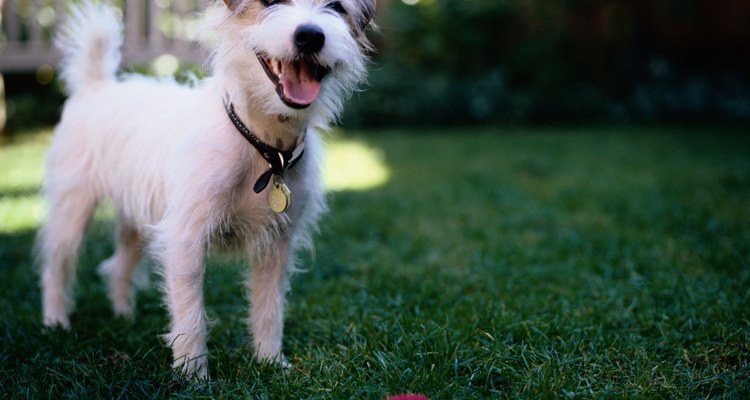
{"type": "Point", "coordinates": [585, 263]}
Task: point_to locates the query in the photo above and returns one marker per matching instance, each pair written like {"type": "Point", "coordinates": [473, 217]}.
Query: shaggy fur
{"type": "Point", "coordinates": [179, 174]}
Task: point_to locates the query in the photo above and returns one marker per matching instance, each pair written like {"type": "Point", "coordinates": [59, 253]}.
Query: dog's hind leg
{"type": "Point", "coordinates": [118, 270]}
{"type": "Point", "coordinates": [269, 286]}
{"type": "Point", "coordinates": [59, 239]}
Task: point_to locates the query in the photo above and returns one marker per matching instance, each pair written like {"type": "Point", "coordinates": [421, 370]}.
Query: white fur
{"type": "Point", "coordinates": [90, 39]}
{"type": "Point", "coordinates": [180, 175]}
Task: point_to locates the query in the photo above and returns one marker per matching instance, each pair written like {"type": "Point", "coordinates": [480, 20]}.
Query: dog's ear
{"type": "Point", "coordinates": [233, 5]}
{"type": "Point", "coordinates": [367, 8]}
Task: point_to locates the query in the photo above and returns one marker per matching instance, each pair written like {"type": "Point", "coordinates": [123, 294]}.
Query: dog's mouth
{"type": "Point", "coordinates": [297, 81]}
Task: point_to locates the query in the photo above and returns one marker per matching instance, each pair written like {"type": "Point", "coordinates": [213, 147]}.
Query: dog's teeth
{"type": "Point", "coordinates": [277, 67]}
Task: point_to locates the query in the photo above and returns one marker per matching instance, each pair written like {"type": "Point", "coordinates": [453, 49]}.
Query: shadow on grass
{"type": "Point", "coordinates": [19, 193]}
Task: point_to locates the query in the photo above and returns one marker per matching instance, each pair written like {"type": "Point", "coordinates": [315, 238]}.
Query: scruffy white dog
{"type": "Point", "coordinates": [220, 165]}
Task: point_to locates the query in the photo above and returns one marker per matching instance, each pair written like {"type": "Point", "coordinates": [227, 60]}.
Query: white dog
{"type": "Point", "coordinates": [192, 168]}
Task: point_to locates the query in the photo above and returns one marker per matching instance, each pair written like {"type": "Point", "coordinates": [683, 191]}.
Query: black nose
{"type": "Point", "coordinates": [309, 39]}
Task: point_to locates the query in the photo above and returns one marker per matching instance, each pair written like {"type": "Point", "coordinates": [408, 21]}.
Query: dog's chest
{"type": "Point", "coordinates": [246, 217]}
{"type": "Point", "coordinates": [251, 218]}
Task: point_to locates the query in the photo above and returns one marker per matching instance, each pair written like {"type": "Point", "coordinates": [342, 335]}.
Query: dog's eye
{"type": "Point", "coordinates": [269, 3]}
{"type": "Point", "coordinates": [336, 6]}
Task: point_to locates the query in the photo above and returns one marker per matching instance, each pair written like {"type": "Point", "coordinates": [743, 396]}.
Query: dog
{"type": "Point", "coordinates": [230, 163]}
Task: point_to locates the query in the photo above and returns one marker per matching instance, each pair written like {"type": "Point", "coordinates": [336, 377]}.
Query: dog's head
{"type": "Point", "coordinates": [296, 54]}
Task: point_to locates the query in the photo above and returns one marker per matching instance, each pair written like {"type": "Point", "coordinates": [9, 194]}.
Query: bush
{"type": "Point", "coordinates": [490, 61]}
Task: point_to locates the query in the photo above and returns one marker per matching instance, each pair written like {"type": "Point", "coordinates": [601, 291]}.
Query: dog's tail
{"type": "Point", "coordinates": [90, 41]}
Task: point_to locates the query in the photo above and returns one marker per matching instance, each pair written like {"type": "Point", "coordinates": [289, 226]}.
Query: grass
{"type": "Point", "coordinates": [589, 263]}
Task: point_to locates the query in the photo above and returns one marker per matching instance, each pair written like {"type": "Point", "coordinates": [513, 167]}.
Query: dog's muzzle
{"type": "Point", "coordinates": [298, 80]}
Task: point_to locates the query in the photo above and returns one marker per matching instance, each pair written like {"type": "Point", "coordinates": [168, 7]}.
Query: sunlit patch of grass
{"type": "Point", "coordinates": [21, 171]}
{"type": "Point", "coordinates": [21, 161]}
{"type": "Point", "coordinates": [354, 165]}
{"type": "Point", "coordinates": [20, 213]}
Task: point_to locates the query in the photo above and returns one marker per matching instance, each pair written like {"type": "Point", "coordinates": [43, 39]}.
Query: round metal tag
{"type": "Point", "coordinates": [279, 196]}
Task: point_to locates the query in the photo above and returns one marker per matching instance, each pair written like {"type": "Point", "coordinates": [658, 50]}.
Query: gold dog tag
{"type": "Point", "coordinates": [279, 196]}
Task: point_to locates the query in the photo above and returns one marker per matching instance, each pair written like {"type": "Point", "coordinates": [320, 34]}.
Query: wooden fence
{"type": "Point", "coordinates": [152, 28]}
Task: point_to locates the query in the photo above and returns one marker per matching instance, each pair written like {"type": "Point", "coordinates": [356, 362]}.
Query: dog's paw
{"type": "Point", "coordinates": [56, 319]}
{"type": "Point", "coordinates": [125, 311]}
{"type": "Point", "coordinates": [51, 327]}
{"type": "Point", "coordinates": [284, 363]}
{"type": "Point", "coordinates": [196, 368]}
{"type": "Point", "coordinates": [276, 360]}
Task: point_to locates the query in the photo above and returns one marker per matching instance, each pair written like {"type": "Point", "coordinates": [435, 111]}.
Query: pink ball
{"type": "Point", "coordinates": [408, 396]}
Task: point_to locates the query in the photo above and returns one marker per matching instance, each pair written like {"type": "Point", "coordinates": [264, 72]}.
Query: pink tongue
{"type": "Point", "coordinates": [298, 85]}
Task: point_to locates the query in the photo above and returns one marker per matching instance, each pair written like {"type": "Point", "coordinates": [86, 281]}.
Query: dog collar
{"type": "Point", "coordinates": [278, 160]}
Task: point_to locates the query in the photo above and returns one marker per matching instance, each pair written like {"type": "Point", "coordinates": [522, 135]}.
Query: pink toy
{"type": "Point", "coordinates": [408, 396]}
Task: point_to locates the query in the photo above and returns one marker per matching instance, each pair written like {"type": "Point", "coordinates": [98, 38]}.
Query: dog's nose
{"type": "Point", "coordinates": [309, 39]}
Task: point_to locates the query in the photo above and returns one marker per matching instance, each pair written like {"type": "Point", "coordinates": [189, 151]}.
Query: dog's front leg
{"type": "Point", "coordinates": [183, 280]}
{"type": "Point", "coordinates": [269, 285]}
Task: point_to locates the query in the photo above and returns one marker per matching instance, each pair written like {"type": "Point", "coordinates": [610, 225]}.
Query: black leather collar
{"type": "Point", "coordinates": [278, 160]}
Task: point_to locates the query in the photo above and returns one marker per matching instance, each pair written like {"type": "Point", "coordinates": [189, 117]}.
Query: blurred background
{"type": "Point", "coordinates": [480, 62]}
{"type": "Point", "coordinates": [541, 61]}
{"type": "Point", "coordinates": [529, 199]}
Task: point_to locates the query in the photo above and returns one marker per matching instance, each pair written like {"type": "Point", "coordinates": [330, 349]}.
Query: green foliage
{"type": "Point", "coordinates": [447, 37]}
{"type": "Point", "coordinates": [586, 263]}
{"type": "Point", "coordinates": [446, 61]}
{"type": "Point", "coordinates": [497, 61]}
